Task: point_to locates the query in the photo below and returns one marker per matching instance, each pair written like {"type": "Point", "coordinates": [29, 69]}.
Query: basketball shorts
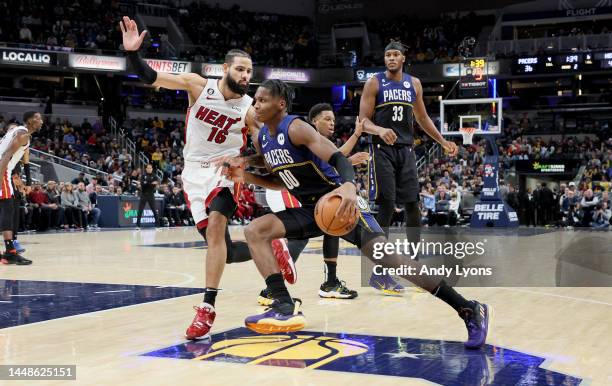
{"type": "Point", "coordinates": [7, 209]}
{"type": "Point", "coordinates": [279, 200]}
{"type": "Point", "coordinates": [6, 186]}
{"type": "Point", "coordinates": [207, 190]}
{"type": "Point", "coordinates": [392, 174]}
{"type": "Point", "coordinates": [300, 224]}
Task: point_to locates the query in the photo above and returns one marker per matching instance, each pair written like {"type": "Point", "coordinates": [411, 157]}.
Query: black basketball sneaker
{"type": "Point", "coordinates": [336, 290]}
{"type": "Point", "coordinates": [14, 258]}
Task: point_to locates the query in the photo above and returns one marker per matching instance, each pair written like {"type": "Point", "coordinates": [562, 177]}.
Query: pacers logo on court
{"type": "Point", "coordinates": [437, 361]}
{"type": "Point", "coordinates": [305, 351]}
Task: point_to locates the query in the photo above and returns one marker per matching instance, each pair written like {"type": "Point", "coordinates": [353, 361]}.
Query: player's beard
{"type": "Point", "coordinates": [395, 70]}
{"type": "Point", "coordinates": [236, 87]}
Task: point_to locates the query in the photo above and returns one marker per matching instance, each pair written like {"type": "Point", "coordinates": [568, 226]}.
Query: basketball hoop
{"type": "Point", "coordinates": [468, 134]}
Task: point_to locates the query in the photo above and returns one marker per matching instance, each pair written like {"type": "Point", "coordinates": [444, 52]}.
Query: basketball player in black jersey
{"type": "Point", "coordinates": [389, 102]}
{"type": "Point", "coordinates": [310, 166]}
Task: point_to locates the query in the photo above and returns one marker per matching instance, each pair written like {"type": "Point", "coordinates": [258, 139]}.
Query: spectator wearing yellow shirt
{"type": "Point", "coordinates": [156, 157]}
{"type": "Point", "coordinates": [158, 123]}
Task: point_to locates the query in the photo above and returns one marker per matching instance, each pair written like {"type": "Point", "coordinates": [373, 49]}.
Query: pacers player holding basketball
{"type": "Point", "coordinates": [321, 115]}
{"type": "Point", "coordinates": [12, 148]}
{"type": "Point", "coordinates": [218, 120]}
{"type": "Point", "coordinates": [310, 166]}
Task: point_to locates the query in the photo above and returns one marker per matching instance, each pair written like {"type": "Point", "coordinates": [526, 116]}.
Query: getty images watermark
{"type": "Point", "coordinates": [491, 257]}
{"type": "Point", "coordinates": [422, 249]}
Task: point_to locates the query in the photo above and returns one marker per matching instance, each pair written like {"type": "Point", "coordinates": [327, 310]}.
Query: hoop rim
{"type": "Point", "coordinates": [467, 133]}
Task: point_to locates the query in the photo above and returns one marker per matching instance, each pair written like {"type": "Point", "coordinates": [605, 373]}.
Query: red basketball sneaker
{"type": "Point", "coordinates": [285, 261]}
{"type": "Point", "coordinates": [202, 322]}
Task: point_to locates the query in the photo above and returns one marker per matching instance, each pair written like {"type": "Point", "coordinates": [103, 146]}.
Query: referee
{"type": "Point", "coordinates": [390, 100]}
{"type": "Point", "coordinates": [148, 184]}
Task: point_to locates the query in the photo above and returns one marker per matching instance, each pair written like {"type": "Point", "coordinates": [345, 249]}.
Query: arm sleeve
{"type": "Point", "coordinates": [343, 167]}
{"type": "Point", "coordinates": [141, 68]}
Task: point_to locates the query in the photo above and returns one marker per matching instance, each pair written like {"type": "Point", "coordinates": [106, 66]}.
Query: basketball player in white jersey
{"type": "Point", "coordinates": [12, 148]}
{"type": "Point", "coordinates": [219, 118]}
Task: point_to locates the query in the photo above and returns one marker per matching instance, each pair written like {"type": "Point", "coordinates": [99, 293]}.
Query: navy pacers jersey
{"type": "Point", "coordinates": [304, 174]}
{"type": "Point", "coordinates": [393, 108]}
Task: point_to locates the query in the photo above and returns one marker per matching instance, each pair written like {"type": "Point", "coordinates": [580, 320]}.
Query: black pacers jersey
{"type": "Point", "coordinates": [304, 174]}
{"type": "Point", "coordinates": [393, 108]}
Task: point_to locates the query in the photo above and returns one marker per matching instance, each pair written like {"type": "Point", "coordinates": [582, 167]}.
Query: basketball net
{"type": "Point", "coordinates": [467, 133]}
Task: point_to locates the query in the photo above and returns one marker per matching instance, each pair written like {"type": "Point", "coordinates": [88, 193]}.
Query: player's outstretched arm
{"type": "Point", "coordinates": [233, 168]}
{"type": "Point", "coordinates": [132, 40]}
{"type": "Point", "coordinates": [366, 112]}
{"type": "Point", "coordinates": [348, 146]}
{"type": "Point", "coordinates": [421, 116]}
{"type": "Point", "coordinates": [239, 175]}
{"type": "Point", "coordinates": [301, 133]}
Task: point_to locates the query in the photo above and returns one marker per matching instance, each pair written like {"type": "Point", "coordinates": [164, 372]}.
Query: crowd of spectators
{"type": "Point", "coordinates": [442, 40]}
{"type": "Point", "coordinates": [149, 99]}
{"type": "Point", "coordinates": [74, 205]}
{"type": "Point", "coordinates": [53, 206]}
{"type": "Point", "coordinates": [55, 24]}
{"type": "Point", "coordinates": [274, 40]}
{"type": "Point", "coordinates": [449, 186]}
{"type": "Point", "coordinates": [592, 27]}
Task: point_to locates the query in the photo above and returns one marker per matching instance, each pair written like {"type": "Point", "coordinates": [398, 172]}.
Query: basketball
{"type": "Point", "coordinates": [325, 216]}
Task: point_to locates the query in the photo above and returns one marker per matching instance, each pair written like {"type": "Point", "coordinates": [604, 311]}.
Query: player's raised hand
{"type": "Point", "coordinates": [389, 136]}
{"type": "Point", "coordinates": [131, 39]}
{"type": "Point", "coordinates": [450, 148]}
{"type": "Point", "coordinates": [359, 158]}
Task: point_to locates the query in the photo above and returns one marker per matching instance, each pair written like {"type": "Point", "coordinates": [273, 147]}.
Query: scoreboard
{"type": "Point", "coordinates": [573, 62]}
{"type": "Point", "coordinates": [473, 82]}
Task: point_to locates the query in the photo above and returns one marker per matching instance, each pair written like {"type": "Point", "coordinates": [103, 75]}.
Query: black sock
{"type": "Point", "coordinates": [8, 246]}
{"type": "Point", "coordinates": [210, 295]}
{"type": "Point", "coordinates": [451, 297]}
{"type": "Point", "coordinates": [277, 287]}
{"type": "Point", "coordinates": [330, 267]}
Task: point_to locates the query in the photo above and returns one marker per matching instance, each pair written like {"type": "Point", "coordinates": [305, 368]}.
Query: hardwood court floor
{"type": "Point", "coordinates": [127, 328]}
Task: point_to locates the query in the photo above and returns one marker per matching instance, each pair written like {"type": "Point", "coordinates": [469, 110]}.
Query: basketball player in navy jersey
{"type": "Point", "coordinates": [322, 117]}
{"type": "Point", "coordinates": [389, 101]}
{"type": "Point", "coordinates": [310, 166]}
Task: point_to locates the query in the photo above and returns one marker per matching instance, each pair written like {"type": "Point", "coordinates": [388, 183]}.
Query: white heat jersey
{"type": "Point", "coordinates": [5, 142]}
{"type": "Point", "coordinates": [214, 126]}
{"type": "Point", "coordinates": [6, 184]}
